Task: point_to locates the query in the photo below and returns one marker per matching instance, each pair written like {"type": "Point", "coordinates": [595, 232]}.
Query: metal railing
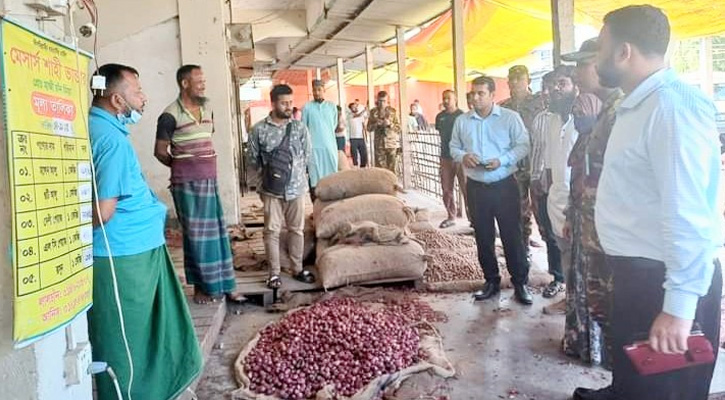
{"type": "Point", "coordinates": [425, 148]}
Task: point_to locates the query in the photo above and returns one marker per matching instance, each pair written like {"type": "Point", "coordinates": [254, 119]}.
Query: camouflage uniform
{"type": "Point", "coordinates": [587, 320]}
{"type": "Point", "coordinates": [528, 108]}
{"type": "Point", "coordinates": [387, 139]}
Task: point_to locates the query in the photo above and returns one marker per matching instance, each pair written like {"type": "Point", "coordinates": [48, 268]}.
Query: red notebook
{"type": "Point", "coordinates": [647, 362]}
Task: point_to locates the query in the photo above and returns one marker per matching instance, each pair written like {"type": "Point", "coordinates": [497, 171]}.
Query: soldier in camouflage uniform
{"type": "Point", "coordinates": [528, 105]}
{"type": "Point", "coordinates": [386, 125]}
{"type": "Point", "coordinates": [587, 321]}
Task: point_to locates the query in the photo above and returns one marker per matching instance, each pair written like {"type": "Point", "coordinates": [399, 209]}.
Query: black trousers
{"type": "Point", "coordinates": [638, 298]}
{"type": "Point", "coordinates": [498, 202]}
{"type": "Point", "coordinates": [359, 152]}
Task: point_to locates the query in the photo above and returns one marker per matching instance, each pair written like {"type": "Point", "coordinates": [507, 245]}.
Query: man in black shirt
{"type": "Point", "coordinates": [450, 170]}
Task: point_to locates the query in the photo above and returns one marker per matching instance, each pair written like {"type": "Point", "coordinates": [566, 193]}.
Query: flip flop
{"type": "Point", "coordinates": [236, 298]}
{"type": "Point", "coordinates": [274, 282]}
{"type": "Point", "coordinates": [446, 224]}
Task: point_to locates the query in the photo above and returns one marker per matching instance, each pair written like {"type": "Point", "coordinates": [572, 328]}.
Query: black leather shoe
{"type": "Point", "coordinates": [489, 290]}
{"type": "Point", "coordinates": [606, 393]}
{"type": "Point", "coordinates": [522, 295]}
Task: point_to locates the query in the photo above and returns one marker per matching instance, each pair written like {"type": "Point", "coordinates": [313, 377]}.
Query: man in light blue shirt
{"type": "Point", "coordinates": [320, 116]}
{"type": "Point", "coordinates": [656, 212]}
{"type": "Point", "coordinates": [488, 141]}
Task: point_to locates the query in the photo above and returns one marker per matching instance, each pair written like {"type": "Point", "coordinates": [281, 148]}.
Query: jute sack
{"type": "Point", "coordinates": [356, 182]}
{"type": "Point", "coordinates": [345, 265]}
{"type": "Point", "coordinates": [435, 361]}
{"type": "Point", "coordinates": [317, 208]}
{"type": "Point", "coordinates": [379, 208]}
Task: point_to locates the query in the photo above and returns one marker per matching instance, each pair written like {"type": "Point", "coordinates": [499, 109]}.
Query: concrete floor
{"type": "Point", "coordinates": [500, 349]}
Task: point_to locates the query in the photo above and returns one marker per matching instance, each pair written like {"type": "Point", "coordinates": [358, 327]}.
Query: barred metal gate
{"type": "Point", "coordinates": [425, 148]}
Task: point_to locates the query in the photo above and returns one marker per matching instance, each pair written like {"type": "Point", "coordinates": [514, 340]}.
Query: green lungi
{"type": "Point", "coordinates": [165, 350]}
{"type": "Point", "coordinates": [208, 260]}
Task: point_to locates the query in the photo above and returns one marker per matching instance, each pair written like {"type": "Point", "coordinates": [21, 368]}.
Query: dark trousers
{"type": "Point", "coordinates": [553, 254]}
{"type": "Point", "coordinates": [359, 152]}
{"type": "Point", "coordinates": [340, 140]}
{"type": "Point", "coordinates": [449, 172]}
{"type": "Point", "coordinates": [638, 298]}
{"type": "Point", "coordinates": [491, 203]}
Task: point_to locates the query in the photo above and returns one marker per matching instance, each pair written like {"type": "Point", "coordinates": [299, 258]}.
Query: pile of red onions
{"type": "Point", "coordinates": [338, 342]}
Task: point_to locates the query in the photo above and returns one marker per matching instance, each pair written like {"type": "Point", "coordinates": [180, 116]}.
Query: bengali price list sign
{"type": "Point", "coordinates": [45, 99]}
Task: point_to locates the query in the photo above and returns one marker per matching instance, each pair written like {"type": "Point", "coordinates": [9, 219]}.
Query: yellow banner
{"type": "Point", "coordinates": [45, 102]}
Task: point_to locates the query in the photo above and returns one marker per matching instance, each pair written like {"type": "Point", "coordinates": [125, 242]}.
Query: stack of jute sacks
{"type": "Point", "coordinates": [362, 230]}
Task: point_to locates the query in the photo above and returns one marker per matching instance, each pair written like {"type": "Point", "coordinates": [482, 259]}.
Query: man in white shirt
{"type": "Point", "coordinates": [561, 136]}
{"type": "Point", "coordinates": [656, 212]}
{"type": "Point", "coordinates": [358, 148]}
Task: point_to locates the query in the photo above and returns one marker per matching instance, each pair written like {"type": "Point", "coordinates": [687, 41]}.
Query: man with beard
{"type": "Point", "coordinates": [129, 251]}
{"type": "Point", "coordinates": [489, 141]}
{"type": "Point", "coordinates": [321, 118]}
{"type": "Point", "coordinates": [656, 213]}
{"type": "Point", "coordinates": [288, 210]}
{"type": "Point", "coordinates": [560, 138]}
{"type": "Point", "coordinates": [528, 105]}
{"type": "Point", "coordinates": [184, 143]}
{"type": "Point", "coordinates": [540, 183]}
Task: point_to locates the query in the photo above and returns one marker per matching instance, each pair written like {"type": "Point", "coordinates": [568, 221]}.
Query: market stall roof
{"type": "Point", "coordinates": [498, 32]}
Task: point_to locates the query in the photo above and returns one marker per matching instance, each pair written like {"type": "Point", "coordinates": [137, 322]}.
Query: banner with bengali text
{"type": "Point", "coordinates": [45, 101]}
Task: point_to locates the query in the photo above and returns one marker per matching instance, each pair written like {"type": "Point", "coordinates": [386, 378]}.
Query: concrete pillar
{"type": "Point", "coordinates": [706, 66]}
{"type": "Point", "coordinates": [341, 84]}
{"type": "Point", "coordinates": [203, 42]}
{"type": "Point", "coordinates": [459, 53]}
{"type": "Point", "coordinates": [309, 85]}
{"type": "Point", "coordinates": [562, 20]}
{"type": "Point", "coordinates": [403, 106]}
{"type": "Point", "coordinates": [318, 73]}
{"type": "Point", "coordinates": [369, 69]}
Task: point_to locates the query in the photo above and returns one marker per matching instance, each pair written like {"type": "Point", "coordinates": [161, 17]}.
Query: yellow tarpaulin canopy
{"type": "Point", "coordinates": [498, 32]}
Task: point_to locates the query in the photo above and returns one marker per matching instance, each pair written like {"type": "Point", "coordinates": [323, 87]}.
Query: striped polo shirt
{"type": "Point", "coordinates": [192, 150]}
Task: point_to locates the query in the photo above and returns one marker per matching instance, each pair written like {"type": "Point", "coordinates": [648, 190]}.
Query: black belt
{"type": "Point", "coordinates": [503, 181]}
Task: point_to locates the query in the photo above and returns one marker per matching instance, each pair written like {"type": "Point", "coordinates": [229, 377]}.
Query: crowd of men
{"type": "Point", "coordinates": [616, 158]}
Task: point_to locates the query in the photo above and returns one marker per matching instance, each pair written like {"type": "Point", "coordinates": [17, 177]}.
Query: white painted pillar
{"type": "Point", "coordinates": [706, 67]}
{"type": "Point", "coordinates": [203, 42]}
{"type": "Point", "coordinates": [318, 73]}
{"type": "Point", "coordinates": [341, 100]}
{"type": "Point", "coordinates": [459, 53]}
{"type": "Point", "coordinates": [562, 19]}
{"type": "Point", "coordinates": [369, 69]}
{"type": "Point", "coordinates": [403, 106]}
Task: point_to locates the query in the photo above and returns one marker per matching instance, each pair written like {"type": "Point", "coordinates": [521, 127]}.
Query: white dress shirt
{"type": "Point", "coordinates": [561, 137]}
{"type": "Point", "coordinates": [657, 197]}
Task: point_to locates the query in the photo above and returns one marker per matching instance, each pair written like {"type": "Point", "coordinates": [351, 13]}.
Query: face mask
{"type": "Point", "coordinates": [585, 124]}
{"type": "Point", "coordinates": [131, 117]}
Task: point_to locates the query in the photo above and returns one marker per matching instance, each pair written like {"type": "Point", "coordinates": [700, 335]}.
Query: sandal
{"type": "Point", "coordinates": [274, 282]}
{"type": "Point", "coordinates": [305, 277]}
{"type": "Point", "coordinates": [446, 224]}
{"type": "Point", "coordinates": [552, 289]}
{"type": "Point", "coordinates": [236, 298]}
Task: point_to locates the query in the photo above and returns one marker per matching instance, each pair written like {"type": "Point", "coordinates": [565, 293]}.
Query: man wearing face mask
{"type": "Point", "coordinates": [561, 135]}
{"type": "Point", "coordinates": [132, 238]}
{"type": "Point", "coordinates": [593, 118]}
{"type": "Point", "coordinates": [184, 143]}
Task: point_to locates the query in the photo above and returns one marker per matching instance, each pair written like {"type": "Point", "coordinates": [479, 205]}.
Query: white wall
{"type": "Point", "coordinates": [148, 35]}
{"type": "Point", "coordinates": [35, 372]}
{"type": "Point", "coordinates": [155, 53]}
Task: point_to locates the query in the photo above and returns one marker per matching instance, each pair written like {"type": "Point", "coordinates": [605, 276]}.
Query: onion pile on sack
{"type": "Point", "coordinates": [338, 342]}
